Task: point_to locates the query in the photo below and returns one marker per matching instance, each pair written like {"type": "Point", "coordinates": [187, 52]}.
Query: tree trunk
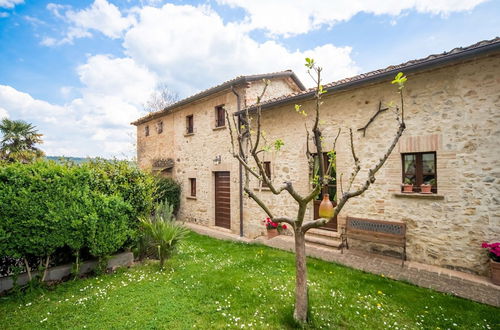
{"type": "Point", "coordinates": [301, 299]}
{"type": "Point", "coordinates": [46, 268]}
{"type": "Point", "coordinates": [28, 269]}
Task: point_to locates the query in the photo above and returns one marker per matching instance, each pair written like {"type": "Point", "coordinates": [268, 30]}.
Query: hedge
{"type": "Point", "coordinates": [46, 206]}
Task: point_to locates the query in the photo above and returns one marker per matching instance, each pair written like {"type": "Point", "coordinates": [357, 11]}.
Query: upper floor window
{"type": "Point", "coordinates": [420, 168]}
{"type": "Point", "coordinates": [189, 124]}
{"type": "Point", "coordinates": [192, 186]}
{"type": "Point", "coordinates": [159, 127]}
{"type": "Point", "coordinates": [220, 116]}
{"type": "Point", "coordinates": [146, 130]}
{"type": "Point", "coordinates": [267, 170]}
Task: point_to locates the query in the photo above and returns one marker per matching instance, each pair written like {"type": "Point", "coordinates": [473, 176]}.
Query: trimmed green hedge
{"type": "Point", "coordinates": [45, 206]}
{"type": "Point", "coordinates": [168, 189]}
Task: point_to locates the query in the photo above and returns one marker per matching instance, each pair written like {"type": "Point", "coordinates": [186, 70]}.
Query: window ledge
{"type": "Point", "coordinates": [419, 195]}
{"type": "Point", "coordinates": [262, 188]}
{"type": "Point", "coordinates": [191, 197]}
{"type": "Point", "coordinates": [218, 128]}
{"type": "Point", "coordinates": [188, 134]}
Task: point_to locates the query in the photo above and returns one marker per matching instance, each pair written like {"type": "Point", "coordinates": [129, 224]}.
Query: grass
{"type": "Point", "coordinates": [216, 284]}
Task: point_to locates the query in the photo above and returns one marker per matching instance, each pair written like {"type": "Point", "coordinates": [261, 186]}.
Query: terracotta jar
{"type": "Point", "coordinates": [426, 189]}
{"type": "Point", "coordinates": [495, 272]}
{"type": "Point", "coordinates": [326, 208]}
{"type": "Point", "coordinates": [271, 233]}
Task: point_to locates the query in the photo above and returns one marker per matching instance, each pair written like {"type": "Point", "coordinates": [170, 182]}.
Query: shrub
{"type": "Point", "coordinates": [47, 206]}
{"type": "Point", "coordinates": [168, 189]}
{"type": "Point", "coordinates": [162, 233]}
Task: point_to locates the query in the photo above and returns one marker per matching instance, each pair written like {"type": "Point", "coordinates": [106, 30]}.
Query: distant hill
{"type": "Point", "coordinates": [76, 160]}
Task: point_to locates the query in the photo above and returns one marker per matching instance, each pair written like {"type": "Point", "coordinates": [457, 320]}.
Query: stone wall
{"type": "Point", "coordinates": [454, 111]}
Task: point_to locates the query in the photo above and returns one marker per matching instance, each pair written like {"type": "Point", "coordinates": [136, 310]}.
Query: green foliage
{"type": "Point", "coordinates": [400, 79]}
{"type": "Point", "coordinates": [18, 141]}
{"type": "Point", "coordinates": [167, 189]}
{"type": "Point", "coordinates": [46, 206]}
{"type": "Point", "coordinates": [278, 143]}
{"type": "Point", "coordinates": [162, 233]}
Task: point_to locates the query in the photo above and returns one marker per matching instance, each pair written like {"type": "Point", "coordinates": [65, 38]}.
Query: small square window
{"type": "Point", "coordinates": [220, 116]}
{"type": "Point", "coordinates": [420, 168]}
{"type": "Point", "coordinates": [189, 124]}
{"type": "Point", "coordinates": [192, 185]}
{"type": "Point", "coordinates": [159, 127]}
{"type": "Point", "coordinates": [146, 130]}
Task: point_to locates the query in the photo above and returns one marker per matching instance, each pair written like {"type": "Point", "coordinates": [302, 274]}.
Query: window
{"type": "Point", "coordinates": [220, 116]}
{"type": "Point", "coordinates": [267, 170]}
{"type": "Point", "coordinates": [420, 168]}
{"type": "Point", "coordinates": [192, 184]}
{"type": "Point", "coordinates": [189, 124]}
{"type": "Point", "coordinates": [146, 130]}
{"type": "Point", "coordinates": [159, 127]}
{"type": "Point", "coordinates": [331, 187]}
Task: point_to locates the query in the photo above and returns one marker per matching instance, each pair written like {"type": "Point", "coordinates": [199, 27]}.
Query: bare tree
{"type": "Point", "coordinates": [249, 142]}
{"type": "Point", "coordinates": [160, 98]}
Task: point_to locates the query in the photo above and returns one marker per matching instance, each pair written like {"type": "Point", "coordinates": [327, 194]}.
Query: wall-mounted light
{"type": "Point", "coordinates": [217, 160]}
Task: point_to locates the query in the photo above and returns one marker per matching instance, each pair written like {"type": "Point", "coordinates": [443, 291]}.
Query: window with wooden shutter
{"type": "Point", "coordinates": [220, 116]}
{"type": "Point", "coordinates": [189, 124]}
{"type": "Point", "coordinates": [146, 130]}
{"type": "Point", "coordinates": [267, 170]}
{"type": "Point", "coordinates": [192, 183]}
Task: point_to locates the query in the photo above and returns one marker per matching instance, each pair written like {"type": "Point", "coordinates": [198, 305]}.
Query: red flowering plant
{"type": "Point", "coordinates": [493, 250]}
{"type": "Point", "coordinates": [270, 224]}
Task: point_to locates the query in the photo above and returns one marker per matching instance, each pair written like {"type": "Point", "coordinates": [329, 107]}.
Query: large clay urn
{"type": "Point", "coordinates": [326, 208]}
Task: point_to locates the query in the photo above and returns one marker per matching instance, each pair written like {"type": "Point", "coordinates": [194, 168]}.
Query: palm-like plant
{"type": "Point", "coordinates": [18, 141]}
{"type": "Point", "coordinates": [162, 233]}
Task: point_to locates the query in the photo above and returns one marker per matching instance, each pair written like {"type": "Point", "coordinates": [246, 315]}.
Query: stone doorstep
{"type": "Point", "coordinates": [58, 272]}
{"type": "Point", "coordinates": [322, 240]}
{"type": "Point", "coordinates": [438, 278]}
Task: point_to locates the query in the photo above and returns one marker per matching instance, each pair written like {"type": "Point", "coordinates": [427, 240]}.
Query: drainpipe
{"type": "Point", "coordinates": [238, 102]}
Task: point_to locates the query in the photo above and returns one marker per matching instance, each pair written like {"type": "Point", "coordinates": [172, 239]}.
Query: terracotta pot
{"type": "Point", "coordinates": [426, 189]}
{"type": "Point", "coordinates": [326, 208]}
{"type": "Point", "coordinates": [495, 272]}
{"type": "Point", "coordinates": [407, 188]}
{"type": "Point", "coordinates": [271, 233]}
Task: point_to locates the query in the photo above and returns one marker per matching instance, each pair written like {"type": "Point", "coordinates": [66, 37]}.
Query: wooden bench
{"type": "Point", "coordinates": [377, 231]}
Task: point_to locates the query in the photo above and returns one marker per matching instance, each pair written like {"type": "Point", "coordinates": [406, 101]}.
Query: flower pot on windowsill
{"type": "Point", "coordinates": [271, 233]}
{"type": "Point", "coordinates": [407, 188]}
{"type": "Point", "coordinates": [495, 272]}
{"type": "Point", "coordinates": [425, 189]}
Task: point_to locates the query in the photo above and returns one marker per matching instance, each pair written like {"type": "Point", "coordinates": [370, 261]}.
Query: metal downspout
{"type": "Point", "coordinates": [238, 102]}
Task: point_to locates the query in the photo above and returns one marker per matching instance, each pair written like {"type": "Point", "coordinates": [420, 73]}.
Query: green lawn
{"type": "Point", "coordinates": [215, 284]}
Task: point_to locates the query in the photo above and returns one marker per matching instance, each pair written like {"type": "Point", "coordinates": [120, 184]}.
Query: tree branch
{"type": "Point", "coordinates": [380, 109]}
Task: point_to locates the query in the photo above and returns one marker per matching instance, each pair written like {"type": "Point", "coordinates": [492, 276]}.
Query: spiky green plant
{"type": "Point", "coordinates": [162, 233]}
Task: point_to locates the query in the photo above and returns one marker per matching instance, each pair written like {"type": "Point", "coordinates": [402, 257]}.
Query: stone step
{"type": "Point", "coordinates": [322, 232]}
{"type": "Point", "coordinates": [325, 241]}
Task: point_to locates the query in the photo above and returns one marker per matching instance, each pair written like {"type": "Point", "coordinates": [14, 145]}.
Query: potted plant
{"type": "Point", "coordinates": [494, 254]}
{"type": "Point", "coordinates": [273, 228]}
{"type": "Point", "coordinates": [407, 185]}
{"type": "Point", "coordinates": [426, 188]}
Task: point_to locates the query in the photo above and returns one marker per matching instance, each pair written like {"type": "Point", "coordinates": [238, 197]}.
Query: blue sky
{"type": "Point", "coordinates": [81, 70]}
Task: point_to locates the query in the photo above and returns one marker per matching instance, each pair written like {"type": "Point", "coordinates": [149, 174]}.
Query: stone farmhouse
{"type": "Point", "coordinates": [452, 141]}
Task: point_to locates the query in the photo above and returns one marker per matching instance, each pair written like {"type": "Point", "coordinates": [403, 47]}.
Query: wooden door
{"type": "Point", "coordinates": [222, 200]}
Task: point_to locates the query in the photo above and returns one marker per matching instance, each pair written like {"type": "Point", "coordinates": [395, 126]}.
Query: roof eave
{"type": "Point", "coordinates": [233, 83]}
{"type": "Point", "coordinates": [431, 63]}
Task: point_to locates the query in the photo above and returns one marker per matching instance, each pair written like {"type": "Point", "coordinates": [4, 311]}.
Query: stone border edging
{"type": "Point", "coordinates": [58, 272]}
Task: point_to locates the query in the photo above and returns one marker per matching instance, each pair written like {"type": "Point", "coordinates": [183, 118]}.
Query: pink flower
{"type": "Point", "coordinates": [484, 245]}
{"type": "Point", "coordinates": [284, 226]}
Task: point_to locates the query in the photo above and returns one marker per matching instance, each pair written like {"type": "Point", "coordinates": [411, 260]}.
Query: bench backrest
{"type": "Point", "coordinates": [388, 229]}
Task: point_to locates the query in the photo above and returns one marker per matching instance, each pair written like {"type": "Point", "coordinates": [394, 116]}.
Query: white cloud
{"type": "Point", "coordinates": [101, 16]}
{"type": "Point", "coordinates": [293, 17]}
{"type": "Point", "coordinates": [189, 57]}
{"type": "Point", "coordinates": [3, 113]}
{"type": "Point", "coordinates": [98, 122]}
{"type": "Point", "coordinates": [10, 3]}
